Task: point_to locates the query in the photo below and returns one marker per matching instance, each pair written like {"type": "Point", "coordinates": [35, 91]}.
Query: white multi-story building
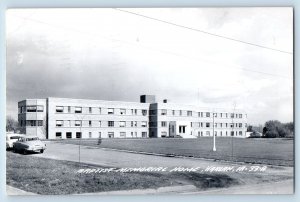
{"type": "Point", "coordinates": [63, 118]}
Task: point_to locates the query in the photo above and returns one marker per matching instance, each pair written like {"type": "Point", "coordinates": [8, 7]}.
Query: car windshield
{"type": "Point", "coordinates": [14, 137]}
{"type": "Point", "coordinates": [32, 139]}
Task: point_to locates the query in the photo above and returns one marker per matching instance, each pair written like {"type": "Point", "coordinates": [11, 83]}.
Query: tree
{"type": "Point", "coordinates": [249, 128]}
{"type": "Point", "coordinates": [11, 124]}
{"type": "Point", "coordinates": [275, 129]}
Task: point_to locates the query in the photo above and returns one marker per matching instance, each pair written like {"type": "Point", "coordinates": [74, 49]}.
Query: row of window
{"type": "Point", "coordinates": [208, 133]}
{"type": "Point", "coordinates": [69, 123]}
{"type": "Point", "coordinates": [203, 125]}
{"type": "Point", "coordinates": [99, 110]}
{"type": "Point", "coordinates": [58, 135]}
{"type": "Point", "coordinates": [199, 114]}
{"type": "Point", "coordinates": [30, 108]}
{"type": "Point", "coordinates": [24, 123]}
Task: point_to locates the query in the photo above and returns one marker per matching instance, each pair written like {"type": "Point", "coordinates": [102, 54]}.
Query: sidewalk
{"type": "Point", "coordinates": [12, 191]}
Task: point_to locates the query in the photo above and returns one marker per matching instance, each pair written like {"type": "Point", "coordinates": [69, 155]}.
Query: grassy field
{"type": "Point", "coordinates": [250, 150]}
{"type": "Point", "coordinates": [46, 176]}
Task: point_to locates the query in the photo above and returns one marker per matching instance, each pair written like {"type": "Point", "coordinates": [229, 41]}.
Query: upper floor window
{"type": "Point", "coordinates": [78, 123]}
{"type": "Point", "coordinates": [59, 109]}
{"type": "Point", "coordinates": [110, 111]}
{"type": "Point", "coordinates": [240, 116]}
{"type": "Point", "coordinates": [180, 112]}
{"type": "Point", "coordinates": [144, 112]}
{"type": "Point", "coordinates": [232, 115]}
{"type": "Point", "coordinates": [90, 110]}
{"type": "Point", "coordinates": [189, 113]}
{"type": "Point", "coordinates": [207, 114]}
{"type": "Point", "coordinates": [122, 124]}
{"type": "Point", "coordinates": [122, 111]}
{"type": "Point", "coordinates": [69, 109]}
{"type": "Point", "coordinates": [90, 123]}
{"type": "Point", "coordinates": [163, 124]}
{"type": "Point", "coordinates": [163, 112]}
{"type": "Point", "coordinates": [59, 123]}
{"type": "Point", "coordinates": [78, 110]}
{"type": "Point", "coordinates": [173, 112]}
{"type": "Point", "coordinates": [207, 125]}
{"type": "Point", "coordinates": [111, 124]}
{"type": "Point", "coordinates": [144, 124]}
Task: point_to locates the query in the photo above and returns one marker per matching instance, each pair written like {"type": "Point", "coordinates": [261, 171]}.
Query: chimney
{"type": "Point", "coordinates": [165, 101]}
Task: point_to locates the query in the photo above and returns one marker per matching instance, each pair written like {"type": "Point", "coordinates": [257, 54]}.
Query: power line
{"type": "Point", "coordinates": [149, 48]}
{"type": "Point", "coordinates": [204, 32]}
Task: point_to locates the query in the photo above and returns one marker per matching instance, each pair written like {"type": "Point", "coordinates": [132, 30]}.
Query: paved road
{"type": "Point", "coordinates": [113, 158]}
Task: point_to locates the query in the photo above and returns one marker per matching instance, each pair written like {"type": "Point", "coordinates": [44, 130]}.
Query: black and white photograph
{"type": "Point", "coordinates": [149, 101]}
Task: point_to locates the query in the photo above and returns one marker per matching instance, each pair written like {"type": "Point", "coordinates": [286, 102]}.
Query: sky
{"type": "Point", "coordinates": [212, 57]}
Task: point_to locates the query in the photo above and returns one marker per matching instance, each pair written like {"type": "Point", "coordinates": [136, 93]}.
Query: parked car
{"type": "Point", "coordinates": [29, 144]}
{"type": "Point", "coordinates": [11, 138]}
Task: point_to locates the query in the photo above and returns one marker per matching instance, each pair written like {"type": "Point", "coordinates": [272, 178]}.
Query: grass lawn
{"type": "Point", "coordinates": [261, 150]}
{"type": "Point", "coordinates": [46, 176]}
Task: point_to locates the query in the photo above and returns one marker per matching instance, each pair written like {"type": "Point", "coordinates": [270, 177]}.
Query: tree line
{"type": "Point", "coordinates": [273, 129]}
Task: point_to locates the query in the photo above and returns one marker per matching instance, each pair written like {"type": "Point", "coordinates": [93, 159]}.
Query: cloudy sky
{"type": "Point", "coordinates": [112, 54]}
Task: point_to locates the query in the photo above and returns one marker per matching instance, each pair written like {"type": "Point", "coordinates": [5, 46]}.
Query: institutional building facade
{"type": "Point", "coordinates": [64, 118]}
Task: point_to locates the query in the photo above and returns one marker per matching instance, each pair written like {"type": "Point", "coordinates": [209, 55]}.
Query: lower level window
{"type": "Point", "coordinates": [58, 135]}
{"type": "Point", "coordinates": [144, 134]}
{"type": "Point", "coordinates": [78, 134]}
{"type": "Point", "coordinates": [122, 134]}
{"type": "Point", "coordinates": [163, 134]}
{"type": "Point", "coordinates": [68, 135]}
{"type": "Point", "coordinates": [111, 135]}
{"type": "Point", "coordinates": [90, 134]}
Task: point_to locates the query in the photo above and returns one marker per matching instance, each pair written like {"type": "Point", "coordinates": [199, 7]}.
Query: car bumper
{"type": "Point", "coordinates": [35, 149]}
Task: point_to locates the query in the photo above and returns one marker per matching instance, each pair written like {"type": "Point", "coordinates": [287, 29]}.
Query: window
{"type": "Point", "coordinates": [231, 115]}
{"type": "Point", "coordinates": [216, 134]}
{"type": "Point", "coordinates": [122, 111]}
{"type": "Point", "coordinates": [99, 135]}
{"type": "Point", "coordinates": [111, 135]}
{"type": "Point", "coordinates": [59, 123]}
{"type": "Point", "coordinates": [226, 115]}
{"type": "Point", "coordinates": [31, 123]}
{"type": "Point", "coordinates": [173, 112]}
{"type": "Point", "coordinates": [144, 134]}
{"type": "Point", "coordinates": [135, 124]}
{"type": "Point", "coordinates": [207, 125]}
{"type": "Point", "coordinates": [208, 133]}
{"type": "Point", "coordinates": [189, 113]}
{"type": "Point", "coordinates": [240, 125]}
{"type": "Point", "coordinates": [122, 124]}
{"type": "Point", "coordinates": [99, 123]}
{"type": "Point", "coordinates": [163, 134]}
{"type": "Point", "coordinates": [99, 110]}
{"type": "Point", "coordinates": [69, 135]}
{"type": "Point", "coordinates": [135, 111]}
{"type": "Point", "coordinates": [226, 125]}
{"type": "Point", "coordinates": [58, 135]}
{"type": "Point", "coordinates": [144, 124]}
{"type": "Point", "coordinates": [78, 134]}
{"type": "Point", "coordinates": [59, 109]}
{"type": "Point", "coordinates": [240, 116]}
{"type": "Point", "coordinates": [78, 110]}
{"type": "Point", "coordinates": [31, 108]}
{"type": "Point", "coordinates": [221, 115]}
{"type": "Point", "coordinates": [90, 110]}
{"type": "Point", "coordinates": [40, 123]}
{"type": "Point", "coordinates": [69, 109]}
{"type": "Point", "coordinates": [131, 123]}
{"type": "Point", "coordinates": [40, 108]}
{"type": "Point", "coordinates": [181, 129]}
{"type": "Point", "coordinates": [240, 133]}
{"type": "Point", "coordinates": [207, 114]}
{"type": "Point", "coordinates": [231, 125]}
{"type": "Point", "coordinates": [180, 112]}
{"type": "Point", "coordinates": [90, 134]}
{"type": "Point", "coordinates": [199, 114]}
{"type": "Point", "coordinates": [122, 134]}
{"type": "Point", "coordinates": [111, 124]}
{"type": "Point", "coordinates": [236, 115]}
{"type": "Point", "coordinates": [131, 134]}
{"type": "Point", "coordinates": [221, 125]}
{"type": "Point", "coordinates": [77, 123]}
{"type": "Point", "coordinates": [90, 123]}
{"type": "Point", "coordinates": [201, 125]}
{"type": "Point", "coordinates": [110, 111]}
{"type": "Point", "coordinates": [163, 124]}
{"type": "Point", "coordinates": [144, 112]}
{"type": "Point", "coordinates": [163, 112]}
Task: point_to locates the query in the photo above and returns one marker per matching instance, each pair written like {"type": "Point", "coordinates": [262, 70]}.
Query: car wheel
{"type": "Point", "coordinates": [42, 151]}
{"type": "Point", "coordinates": [24, 152]}
{"type": "Point", "coordinates": [14, 150]}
